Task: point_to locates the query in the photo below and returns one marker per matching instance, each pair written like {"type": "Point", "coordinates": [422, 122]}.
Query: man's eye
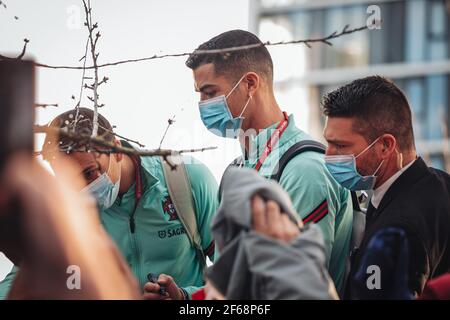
{"type": "Point", "coordinates": [91, 175]}
{"type": "Point", "coordinates": [210, 94]}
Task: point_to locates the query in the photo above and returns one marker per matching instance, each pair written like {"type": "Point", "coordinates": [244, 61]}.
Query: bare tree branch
{"type": "Point", "coordinates": [326, 40]}
{"type": "Point", "coordinates": [24, 49]}
{"type": "Point", "coordinates": [88, 140]}
{"type": "Point", "coordinates": [83, 77]}
{"type": "Point", "coordinates": [20, 56]}
{"type": "Point", "coordinates": [122, 137]}
{"type": "Point", "coordinates": [93, 43]}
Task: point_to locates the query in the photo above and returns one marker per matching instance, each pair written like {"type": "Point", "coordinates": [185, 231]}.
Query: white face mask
{"type": "Point", "coordinates": [103, 189]}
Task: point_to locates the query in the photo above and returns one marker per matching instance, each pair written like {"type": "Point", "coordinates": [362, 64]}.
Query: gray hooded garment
{"type": "Point", "coordinates": [253, 266]}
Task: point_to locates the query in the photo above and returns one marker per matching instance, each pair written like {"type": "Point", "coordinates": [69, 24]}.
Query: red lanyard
{"type": "Point", "coordinates": [138, 186]}
{"type": "Point", "coordinates": [281, 127]}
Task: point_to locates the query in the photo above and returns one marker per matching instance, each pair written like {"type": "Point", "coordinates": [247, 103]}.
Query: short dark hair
{"type": "Point", "coordinates": [234, 64]}
{"type": "Point", "coordinates": [84, 125]}
{"type": "Point", "coordinates": [379, 107]}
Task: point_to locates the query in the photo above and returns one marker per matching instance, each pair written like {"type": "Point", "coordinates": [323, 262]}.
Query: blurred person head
{"type": "Point", "coordinates": [100, 169]}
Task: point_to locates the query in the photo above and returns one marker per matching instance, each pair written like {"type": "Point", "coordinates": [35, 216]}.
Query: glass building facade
{"type": "Point", "coordinates": [412, 48]}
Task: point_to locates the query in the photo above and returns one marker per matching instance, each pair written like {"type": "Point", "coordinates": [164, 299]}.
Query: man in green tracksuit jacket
{"type": "Point", "coordinates": [237, 101]}
{"type": "Point", "coordinates": [150, 234]}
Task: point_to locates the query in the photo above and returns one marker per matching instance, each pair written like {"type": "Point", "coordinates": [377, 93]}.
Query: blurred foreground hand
{"type": "Point", "coordinates": [268, 220]}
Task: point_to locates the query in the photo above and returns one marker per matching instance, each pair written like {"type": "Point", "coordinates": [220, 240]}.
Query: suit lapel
{"type": "Point", "coordinates": [407, 179]}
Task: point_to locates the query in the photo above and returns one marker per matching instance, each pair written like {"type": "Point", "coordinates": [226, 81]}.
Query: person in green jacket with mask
{"type": "Point", "coordinates": [137, 211]}
{"type": "Point", "coordinates": [237, 101]}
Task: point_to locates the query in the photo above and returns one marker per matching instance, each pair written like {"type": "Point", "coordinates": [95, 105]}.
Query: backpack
{"type": "Point", "coordinates": [180, 192]}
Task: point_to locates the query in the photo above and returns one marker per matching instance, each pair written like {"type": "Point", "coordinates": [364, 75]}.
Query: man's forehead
{"type": "Point", "coordinates": [84, 159]}
{"type": "Point", "coordinates": [344, 131]}
{"type": "Point", "coordinates": [204, 75]}
{"type": "Point", "coordinates": [339, 128]}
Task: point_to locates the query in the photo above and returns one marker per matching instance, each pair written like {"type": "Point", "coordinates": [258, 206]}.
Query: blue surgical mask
{"type": "Point", "coordinates": [343, 169]}
{"type": "Point", "coordinates": [104, 190]}
{"type": "Point", "coordinates": [217, 118]}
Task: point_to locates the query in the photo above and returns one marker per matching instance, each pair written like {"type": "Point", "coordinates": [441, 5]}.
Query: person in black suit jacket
{"type": "Point", "coordinates": [371, 147]}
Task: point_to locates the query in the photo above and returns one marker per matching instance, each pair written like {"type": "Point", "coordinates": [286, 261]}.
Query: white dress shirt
{"type": "Point", "coordinates": [379, 192]}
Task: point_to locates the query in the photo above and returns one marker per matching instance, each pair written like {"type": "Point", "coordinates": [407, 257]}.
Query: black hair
{"type": "Point", "coordinates": [379, 107]}
{"type": "Point", "coordinates": [235, 63]}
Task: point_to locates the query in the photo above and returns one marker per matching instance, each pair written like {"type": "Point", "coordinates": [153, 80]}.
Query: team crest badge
{"type": "Point", "coordinates": [169, 208]}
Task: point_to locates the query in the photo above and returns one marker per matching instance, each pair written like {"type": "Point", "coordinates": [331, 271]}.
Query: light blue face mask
{"type": "Point", "coordinates": [343, 169]}
{"type": "Point", "coordinates": [104, 190]}
{"type": "Point", "coordinates": [217, 118]}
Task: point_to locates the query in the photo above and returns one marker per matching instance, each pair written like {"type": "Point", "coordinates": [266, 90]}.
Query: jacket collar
{"type": "Point", "coordinates": [414, 173]}
{"type": "Point", "coordinates": [259, 142]}
{"type": "Point", "coordinates": [147, 168]}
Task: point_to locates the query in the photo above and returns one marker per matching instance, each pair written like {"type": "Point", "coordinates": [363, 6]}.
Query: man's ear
{"type": "Point", "coordinates": [389, 145]}
{"type": "Point", "coordinates": [253, 82]}
{"type": "Point", "coordinates": [118, 156]}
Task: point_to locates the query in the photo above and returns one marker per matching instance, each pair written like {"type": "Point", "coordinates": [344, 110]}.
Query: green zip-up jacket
{"type": "Point", "coordinates": [316, 196]}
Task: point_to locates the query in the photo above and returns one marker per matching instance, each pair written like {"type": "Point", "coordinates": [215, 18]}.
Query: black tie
{"type": "Point", "coordinates": [370, 214]}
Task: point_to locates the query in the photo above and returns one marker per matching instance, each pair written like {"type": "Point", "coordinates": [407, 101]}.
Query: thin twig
{"type": "Point", "coordinates": [24, 49]}
{"type": "Point", "coordinates": [326, 40]}
{"type": "Point", "coordinates": [93, 43]}
{"type": "Point", "coordinates": [26, 41]}
{"type": "Point", "coordinates": [169, 123]}
{"type": "Point", "coordinates": [122, 137]}
{"type": "Point", "coordinates": [20, 56]}
{"type": "Point", "coordinates": [83, 75]}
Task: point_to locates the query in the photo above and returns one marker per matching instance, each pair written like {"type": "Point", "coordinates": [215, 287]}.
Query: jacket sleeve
{"type": "Point", "coordinates": [305, 180]}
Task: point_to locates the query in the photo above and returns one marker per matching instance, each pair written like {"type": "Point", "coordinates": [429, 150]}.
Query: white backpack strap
{"type": "Point", "coordinates": [180, 192]}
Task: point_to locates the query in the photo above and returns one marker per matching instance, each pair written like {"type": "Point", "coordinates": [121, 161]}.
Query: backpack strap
{"type": "Point", "coordinates": [180, 192]}
{"type": "Point", "coordinates": [295, 150]}
{"type": "Point", "coordinates": [311, 145]}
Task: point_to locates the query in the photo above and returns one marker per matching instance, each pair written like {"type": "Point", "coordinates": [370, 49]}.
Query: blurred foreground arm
{"type": "Point", "coordinates": [53, 233]}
